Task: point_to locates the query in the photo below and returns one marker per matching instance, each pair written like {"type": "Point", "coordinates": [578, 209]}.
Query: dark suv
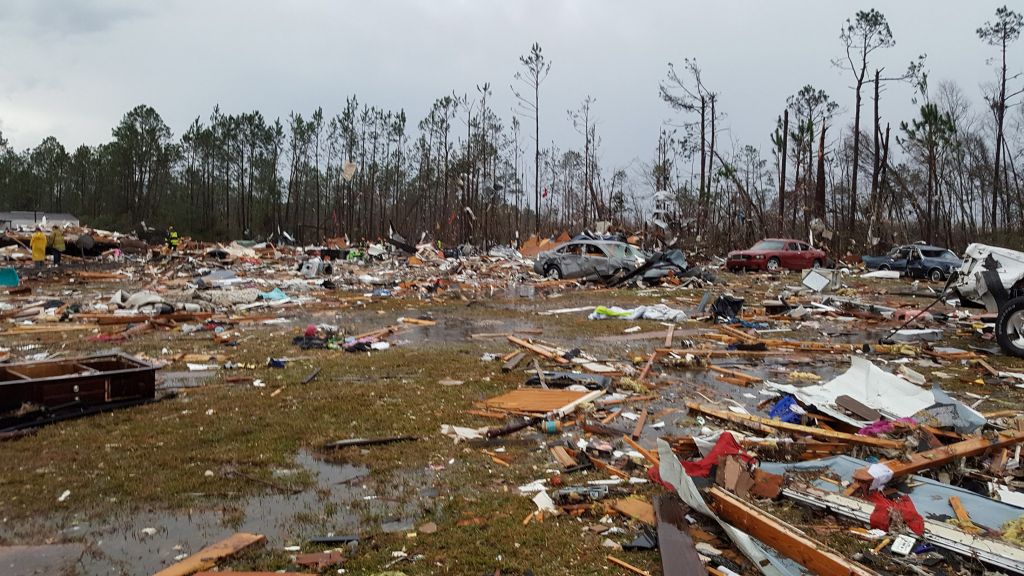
{"type": "Point", "coordinates": [916, 261]}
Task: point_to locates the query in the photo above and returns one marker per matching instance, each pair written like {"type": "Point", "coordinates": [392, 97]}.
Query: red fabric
{"type": "Point", "coordinates": [654, 475]}
{"type": "Point", "coordinates": [902, 505]}
{"type": "Point", "coordinates": [725, 446]}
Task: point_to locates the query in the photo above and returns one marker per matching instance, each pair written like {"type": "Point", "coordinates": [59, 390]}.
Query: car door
{"type": "Point", "coordinates": [569, 259]}
{"type": "Point", "coordinates": [807, 255]}
{"type": "Point", "coordinates": [899, 258]}
{"type": "Point", "coordinates": [791, 256]}
{"type": "Point", "coordinates": [595, 260]}
{"type": "Point", "coordinates": [915, 263]}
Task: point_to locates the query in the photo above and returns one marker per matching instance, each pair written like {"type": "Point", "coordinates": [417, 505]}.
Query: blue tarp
{"type": "Point", "coordinates": [9, 278]}
{"type": "Point", "coordinates": [931, 498]}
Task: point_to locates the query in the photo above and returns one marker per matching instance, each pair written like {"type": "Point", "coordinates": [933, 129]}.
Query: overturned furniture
{"type": "Point", "coordinates": [37, 393]}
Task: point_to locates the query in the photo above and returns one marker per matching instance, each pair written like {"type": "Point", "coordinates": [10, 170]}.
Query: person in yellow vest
{"type": "Point", "coordinates": [57, 244]}
{"type": "Point", "coordinates": [172, 238]}
{"type": "Point", "coordinates": [38, 247]}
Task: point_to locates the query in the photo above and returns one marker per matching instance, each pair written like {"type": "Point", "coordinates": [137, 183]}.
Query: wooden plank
{"type": "Point", "coordinates": [941, 456]}
{"type": "Point", "coordinates": [627, 566]}
{"type": "Point", "coordinates": [627, 400]}
{"type": "Point", "coordinates": [207, 557]}
{"type": "Point", "coordinates": [650, 456]}
{"type": "Point", "coordinates": [640, 423]}
{"type": "Point", "coordinates": [605, 467]}
{"type": "Point", "coordinates": [679, 556]}
{"type": "Point", "coordinates": [636, 509]}
{"type": "Point", "coordinates": [736, 333]}
{"type": "Point", "coordinates": [785, 539]}
{"type": "Point", "coordinates": [963, 518]}
{"type": "Point", "coordinates": [513, 362]}
{"type": "Point", "coordinates": [671, 334]}
{"type": "Point", "coordinates": [759, 423]}
{"type": "Point", "coordinates": [749, 378]}
{"type": "Point", "coordinates": [562, 457]}
{"type": "Point", "coordinates": [538, 350]}
{"type": "Point", "coordinates": [647, 368]}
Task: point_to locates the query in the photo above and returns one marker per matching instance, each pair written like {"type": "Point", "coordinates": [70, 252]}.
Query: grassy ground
{"type": "Point", "coordinates": [218, 445]}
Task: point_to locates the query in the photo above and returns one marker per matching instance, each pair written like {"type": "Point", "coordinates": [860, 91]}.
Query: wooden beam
{"type": "Point", "coordinates": [601, 465]}
{"type": "Point", "coordinates": [647, 367]}
{"type": "Point", "coordinates": [627, 566]}
{"type": "Point", "coordinates": [640, 423]}
{"type": "Point", "coordinates": [626, 400]}
{"type": "Point", "coordinates": [669, 337]}
{"type": "Point", "coordinates": [514, 361]}
{"type": "Point", "coordinates": [650, 456]}
{"type": "Point", "coordinates": [538, 350]}
{"type": "Point", "coordinates": [760, 423]}
{"type": "Point", "coordinates": [963, 518]}
{"type": "Point", "coordinates": [941, 456]}
{"type": "Point", "coordinates": [785, 539]}
{"type": "Point", "coordinates": [749, 378]}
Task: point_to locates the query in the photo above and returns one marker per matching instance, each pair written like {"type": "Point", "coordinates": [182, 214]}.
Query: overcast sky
{"type": "Point", "coordinates": [72, 68]}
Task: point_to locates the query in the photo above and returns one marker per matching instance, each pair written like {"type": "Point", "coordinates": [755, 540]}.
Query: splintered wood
{"type": "Point", "coordinates": [208, 557]}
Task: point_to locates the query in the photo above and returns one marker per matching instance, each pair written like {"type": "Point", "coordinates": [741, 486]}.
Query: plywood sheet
{"type": "Point", "coordinates": [534, 400]}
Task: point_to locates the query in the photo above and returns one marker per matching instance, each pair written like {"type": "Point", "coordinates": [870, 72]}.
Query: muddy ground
{"type": "Point", "coordinates": [149, 484]}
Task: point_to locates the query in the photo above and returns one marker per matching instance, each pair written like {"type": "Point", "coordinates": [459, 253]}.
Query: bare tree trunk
{"type": "Point", "coordinates": [782, 172]}
{"type": "Point", "coordinates": [876, 133]}
{"type": "Point", "coordinates": [819, 191]}
{"type": "Point", "coordinates": [854, 171]}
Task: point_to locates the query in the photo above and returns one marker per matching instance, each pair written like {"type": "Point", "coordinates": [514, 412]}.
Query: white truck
{"type": "Point", "coordinates": [993, 278]}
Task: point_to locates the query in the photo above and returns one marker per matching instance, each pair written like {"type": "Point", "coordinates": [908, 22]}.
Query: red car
{"type": "Point", "coordinates": [774, 253]}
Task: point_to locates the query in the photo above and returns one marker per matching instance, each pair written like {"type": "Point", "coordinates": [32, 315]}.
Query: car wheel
{"type": "Point", "coordinates": [553, 272]}
{"type": "Point", "coordinates": [816, 264]}
{"type": "Point", "coordinates": [936, 275]}
{"type": "Point", "coordinates": [884, 267]}
{"type": "Point", "coordinates": [1010, 327]}
{"type": "Point", "coordinates": [773, 264]}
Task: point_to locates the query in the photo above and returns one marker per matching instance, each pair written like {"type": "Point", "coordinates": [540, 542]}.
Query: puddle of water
{"type": "Point", "coordinates": [332, 506]}
{"type": "Point", "coordinates": [42, 560]}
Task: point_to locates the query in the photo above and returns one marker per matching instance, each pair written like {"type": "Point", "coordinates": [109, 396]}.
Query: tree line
{"type": "Point", "coordinates": [468, 172]}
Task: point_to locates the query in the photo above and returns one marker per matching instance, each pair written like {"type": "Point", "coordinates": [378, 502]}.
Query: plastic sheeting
{"type": "Point", "coordinates": [887, 393]}
{"type": "Point", "coordinates": [656, 312]}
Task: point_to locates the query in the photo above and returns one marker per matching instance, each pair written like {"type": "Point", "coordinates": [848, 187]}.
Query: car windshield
{"type": "Point", "coordinates": [769, 245]}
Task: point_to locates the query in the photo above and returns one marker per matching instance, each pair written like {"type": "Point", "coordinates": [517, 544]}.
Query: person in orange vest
{"type": "Point", "coordinates": [38, 247]}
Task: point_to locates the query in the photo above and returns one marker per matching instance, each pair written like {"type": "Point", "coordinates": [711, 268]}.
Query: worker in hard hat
{"type": "Point", "coordinates": [38, 245]}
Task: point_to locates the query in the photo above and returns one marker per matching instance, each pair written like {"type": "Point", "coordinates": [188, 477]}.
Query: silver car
{"type": "Point", "coordinates": [589, 259]}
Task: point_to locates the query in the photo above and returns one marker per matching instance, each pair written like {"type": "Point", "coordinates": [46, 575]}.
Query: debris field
{"type": "Point", "coordinates": [392, 409]}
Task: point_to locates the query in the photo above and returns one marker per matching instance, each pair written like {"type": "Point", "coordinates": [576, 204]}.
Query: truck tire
{"type": "Point", "coordinates": [1010, 327]}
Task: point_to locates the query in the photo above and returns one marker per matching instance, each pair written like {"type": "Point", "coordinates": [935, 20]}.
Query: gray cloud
{"type": "Point", "coordinates": [81, 65]}
{"type": "Point", "coordinates": [53, 19]}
